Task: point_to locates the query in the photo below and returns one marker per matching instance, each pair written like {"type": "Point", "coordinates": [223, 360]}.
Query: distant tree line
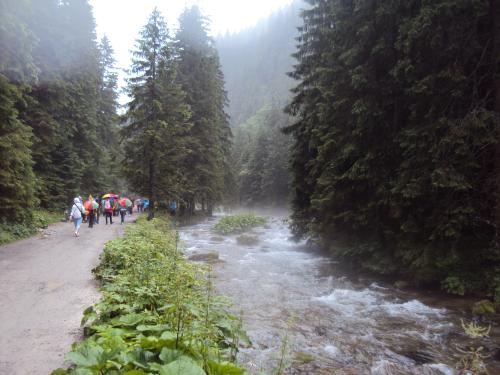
{"type": "Point", "coordinates": [255, 62]}
{"type": "Point", "coordinates": [395, 158]}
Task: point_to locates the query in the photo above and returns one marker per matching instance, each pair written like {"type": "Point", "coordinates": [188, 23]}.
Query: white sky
{"type": "Point", "coordinates": [121, 20]}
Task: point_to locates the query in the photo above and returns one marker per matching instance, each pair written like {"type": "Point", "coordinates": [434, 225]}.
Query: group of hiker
{"type": "Point", "coordinates": [108, 205]}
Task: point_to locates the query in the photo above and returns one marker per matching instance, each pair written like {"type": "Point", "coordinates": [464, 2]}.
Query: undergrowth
{"type": "Point", "coordinates": [158, 313]}
{"type": "Point", "coordinates": [238, 223]}
{"type": "Point", "coordinates": [10, 232]}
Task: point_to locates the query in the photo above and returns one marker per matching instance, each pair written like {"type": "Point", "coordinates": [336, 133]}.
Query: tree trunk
{"type": "Point", "coordinates": [151, 211]}
{"type": "Point", "coordinates": [495, 38]}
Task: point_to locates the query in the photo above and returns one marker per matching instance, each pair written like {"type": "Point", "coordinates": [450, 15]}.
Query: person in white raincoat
{"type": "Point", "coordinates": [77, 212]}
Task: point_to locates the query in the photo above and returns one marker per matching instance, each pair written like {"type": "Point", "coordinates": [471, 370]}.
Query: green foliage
{"type": "Point", "coordinates": [472, 359]}
{"type": "Point", "coordinates": [395, 137]}
{"type": "Point", "coordinates": [238, 223]}
{"type": "Point", "coordinates": [453, 285]}
{"type": "Point", "coordinates": [157, 314]}
{"type": "Point", "coordinates": [15, 231]}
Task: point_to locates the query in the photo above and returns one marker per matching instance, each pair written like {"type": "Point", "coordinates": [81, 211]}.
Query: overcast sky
{"type": "Point", "coordinates": [121, 20]}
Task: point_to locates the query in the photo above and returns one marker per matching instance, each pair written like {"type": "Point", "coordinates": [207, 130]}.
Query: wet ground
{"type": "Point", "coordinates": [299, 307]}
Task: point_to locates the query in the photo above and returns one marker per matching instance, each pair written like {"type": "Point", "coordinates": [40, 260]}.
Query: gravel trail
{"type": "Point", "coordinates": [45, 284]}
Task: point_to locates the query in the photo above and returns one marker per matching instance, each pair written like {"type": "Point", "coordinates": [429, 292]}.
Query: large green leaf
{"type": "Point", "coordinates": [87, 355]}
{"type": "Point", "coordinates": [182, 366]}
{"type": "Point", "coordinates": [224, 368]}
{"type": "Point", "coordinates": [168, 355]}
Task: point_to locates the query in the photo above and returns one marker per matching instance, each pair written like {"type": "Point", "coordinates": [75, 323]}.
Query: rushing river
{"type": "Point", "coordinates": [295, 299]}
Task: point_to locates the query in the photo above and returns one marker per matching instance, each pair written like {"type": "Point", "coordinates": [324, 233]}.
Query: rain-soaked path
{"type": "Point", "coordinates": [346, 325]}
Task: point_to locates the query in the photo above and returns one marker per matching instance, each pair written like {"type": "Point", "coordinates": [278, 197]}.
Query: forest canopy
{"type": "Point", "coordinates": [396, 136]}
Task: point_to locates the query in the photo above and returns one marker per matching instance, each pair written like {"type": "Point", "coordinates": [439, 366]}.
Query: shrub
{"type": "Point", "coordinates": [238, 223]}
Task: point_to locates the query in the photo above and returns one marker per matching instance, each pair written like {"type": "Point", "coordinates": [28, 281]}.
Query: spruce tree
{"type": "Point", "coordinates": [157, 118]}
{"type": "Point", "coordinates": [201, 78]}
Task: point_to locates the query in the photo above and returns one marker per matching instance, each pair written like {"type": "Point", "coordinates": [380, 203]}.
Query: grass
{"type": "Point", "coordinates": [10, 232]}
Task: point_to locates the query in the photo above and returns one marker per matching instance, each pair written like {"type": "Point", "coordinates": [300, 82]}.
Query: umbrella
{"type": "Point", "coordinates": [110, 195]}
{"type": "Point", "coordinates": [91, 205]}
{"type": "Point", "coordinates": [125, 202]}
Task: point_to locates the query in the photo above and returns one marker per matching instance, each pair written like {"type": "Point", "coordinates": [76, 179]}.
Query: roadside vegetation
{"type": "Point", "coordinates": [238, 223]}
{"type": "Point", "coordinates": [10, 232]}
{"type": "Point", "coordinates": [158, 313]}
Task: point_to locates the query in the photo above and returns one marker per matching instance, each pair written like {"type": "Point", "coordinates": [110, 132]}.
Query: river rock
{"type": "Point", "coordinates": [483, 307]}
{"type": "Point", "coordinates": [247, 240]}
{"type": "Point", "coordinates": [211, 257]}
{"type": "Point", "coordinates": [401, 284]}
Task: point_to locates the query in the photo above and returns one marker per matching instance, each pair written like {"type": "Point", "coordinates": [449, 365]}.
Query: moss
{"type": "Point", "coordinates": [483, 307]}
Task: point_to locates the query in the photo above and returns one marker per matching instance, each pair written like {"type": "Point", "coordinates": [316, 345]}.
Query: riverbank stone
{"type": "Point", "coordinates": [483, 307]}
{"type": "Point", "coordinates": [247, 240]}
{"type": "Point", "coordinates": [210, 257]}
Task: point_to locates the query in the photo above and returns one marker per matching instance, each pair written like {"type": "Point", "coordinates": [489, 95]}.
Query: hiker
{"type": "Point", "coordinates": [173, 207]}
{"type": "Point", "coordinates": [123, 212]}
{"type": "Point", "coordinates": [76, 215]}
{"type": "Point", "coordinates": [108, 211]}
{"type": "Point", "coordinates": [98, 211]}
{"type": "Point", "coordinates": [91, 216]}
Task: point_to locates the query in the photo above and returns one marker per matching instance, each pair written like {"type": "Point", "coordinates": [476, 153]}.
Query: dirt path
{"type": "Point", "coordinates": [45, 284]}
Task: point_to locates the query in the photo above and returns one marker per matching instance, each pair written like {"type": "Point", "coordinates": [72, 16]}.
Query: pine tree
{"type": "Point", "coordinates": [110, 152]}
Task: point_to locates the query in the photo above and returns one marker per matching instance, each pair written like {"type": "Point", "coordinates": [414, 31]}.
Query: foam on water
{"type": "Point", "coordinates": [441, 368]}
{"type": "Point", "coordinates": [349, 301]}
{"type": "Point", "coordinates": [411, 308]}
{"type": "Point", "coordinates": [332, 350]}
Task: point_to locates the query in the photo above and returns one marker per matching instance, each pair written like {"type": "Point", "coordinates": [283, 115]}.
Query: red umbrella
{"type": "Point", "coordinates": [125, 202]}
{"type": "Point", "coordinates": [90, 205]}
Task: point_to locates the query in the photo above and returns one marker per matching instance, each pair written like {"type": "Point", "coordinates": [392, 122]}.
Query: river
{"type": "Point", "coordinates": [299, 307]}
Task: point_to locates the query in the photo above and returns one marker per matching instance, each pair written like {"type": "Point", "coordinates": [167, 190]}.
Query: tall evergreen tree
{"type": "Point", "coordinates": [17, 72]}
{"type": "Point", "coordinates": [110, 152]}
{"type": "Point", "coordinates": [157, 118]}
{"type": "Point", "coordinates": [202, 80]}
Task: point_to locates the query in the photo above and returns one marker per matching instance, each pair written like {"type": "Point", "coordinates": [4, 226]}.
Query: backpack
{"type": "Point", "coordinates": [107, 205]}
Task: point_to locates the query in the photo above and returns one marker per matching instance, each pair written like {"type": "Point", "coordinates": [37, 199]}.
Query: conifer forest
{"type": "Point", "coordinates": [375, 124]}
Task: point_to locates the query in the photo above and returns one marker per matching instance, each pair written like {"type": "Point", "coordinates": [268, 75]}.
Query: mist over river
{"type": "Point", "coordinates": [330, 323]}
